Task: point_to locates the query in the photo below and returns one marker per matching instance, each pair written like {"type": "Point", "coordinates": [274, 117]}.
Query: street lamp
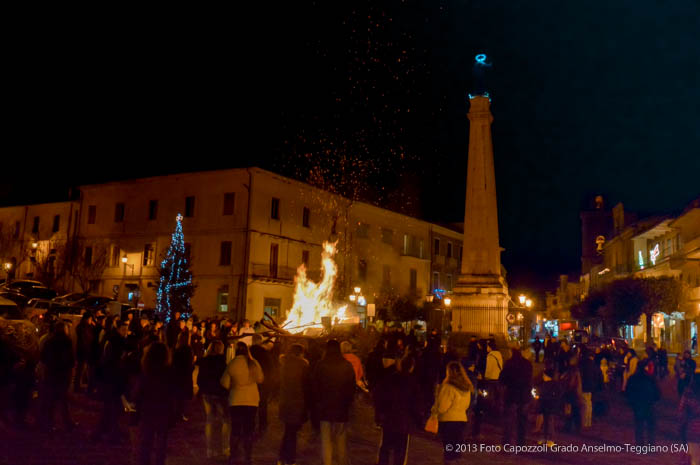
{"type": "Point", "coordinates": [125, 262]}
{"type": "Point", "coordinates": [8, 268]}
{"type": "Point", "coordinates": [359, 301]}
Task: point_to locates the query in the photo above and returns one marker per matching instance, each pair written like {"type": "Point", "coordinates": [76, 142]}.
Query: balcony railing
{"type": "Point", "coordinates": [415, 252]}
{"type": "Point", "coordinates": [281, 273]}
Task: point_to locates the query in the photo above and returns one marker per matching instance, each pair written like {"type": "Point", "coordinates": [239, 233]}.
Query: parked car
{"type": "Point", "coordinates": [39, 292]}
{"type": "Point", "coordinates": [67, 299]}
{"type": "Point", "coordinates": [36, 308]}
{"type": "Point", "coordinates": [19, 299]}
{"type": "Point", "coordinates": [19, 285]}
{"type": "Point", "coordinates": [92, 303]}
{"type": "Point", "coordinates": [10, 310]}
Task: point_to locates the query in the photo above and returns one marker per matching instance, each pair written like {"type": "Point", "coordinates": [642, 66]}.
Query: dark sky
{"type": "Point", "coordinates": [588, 98]}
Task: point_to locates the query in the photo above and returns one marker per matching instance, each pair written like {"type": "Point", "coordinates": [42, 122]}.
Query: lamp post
{"type": "Point", "coordinates": [125, 262]}
{"type": "Point", "coordinates": [447, 301]}
{"type": "Point", "coordinates": [525, 306]}
{"type": "Point", "coordinates": [8, 269]}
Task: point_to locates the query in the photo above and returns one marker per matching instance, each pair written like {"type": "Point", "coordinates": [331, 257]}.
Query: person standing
{"type": "Point", "coordinates": [183, 364]}
{"type": "Point", "coordinates": [689, 412]}
{"type": "Point", "coordinates": [573, 394]}
{"type": "Point", "coordinates": [397, 411]}
{"type": "Point", "coordinates": [642, 393]}
{"type": "Point", "coordinates": [173, 330]}
{"type": "Point", "coordinates": [114, 382]}
{"type": "Point", "coordinates": [494, 366]}
{"type": "Point", "coordinates": [451, 404]}
{"type": "Point", "coordinates": [685, 369]}
{"type": "Point", "coordinates": [591, 385]}
{"type": "Point", "coordinates": [536, 347]}
{"type": "Point", "coordinates": [241, 378]}
{"type": "Point", "coordinates": [246, 329]}
{"type": "Point", "coordinates": [294, 400]}
{"type": "Point", "coordinates": [211, 367]}
{"type": "Point", "coordinates": [516, 378]}
{"type": "Point", "coordinates": [346, 349]}
{"type": "Point", "coordinates": [333, 388]}
{"type": "Point", "coordinates": [260, 353]}
{"type": "Point", "coordinates": [57, 358]}
{"type": "Point", "coordinates": [662, 356]}
{"type": "Point", "coordinates": [549, 397]}
{"type": "Point", "coordinates": [85, 335]}
{"type": "Point", "coordinates": [631, 360]}
{"type": "Point", "coordinates": [155, 402]}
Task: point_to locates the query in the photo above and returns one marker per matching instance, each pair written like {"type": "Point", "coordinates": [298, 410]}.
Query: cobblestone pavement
{"type": "Point", "coordinates": [186, 441]}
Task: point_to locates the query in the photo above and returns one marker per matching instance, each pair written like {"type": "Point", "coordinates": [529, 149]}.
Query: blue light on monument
{"type": "Point", "coordinates": [481, 58]}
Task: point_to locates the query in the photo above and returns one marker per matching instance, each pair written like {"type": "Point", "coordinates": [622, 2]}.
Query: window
{"type": "Point", "coordinates": [436, 280]}
{"type": "Point", "coordinates": [225, 256]}
{"type": "Point", "coordinates": [362, 270]}
{"type": "Point", "coordinates": [152, 209]}
{"type": "Point", "coordinates": [459, 253]}
{"type": "Point", "coordinates": [229, 202]}
{"type": "Point", "coordinates": [436, 247]}
{"type": "Point", "coordinates": [222, 299]}
{"type": "Point", "coordinates": [149, 251]}
{"type": "Point", "coordinates": [363, 230]}
{"type": "Point", "coordinates": [335, 225]}
{"type": "Point", "coordinates": [387, 236]}
{"type": "Point", "coordinates": [414, 279]}
{"type": "Point", "coordinates": [305, 217]}
{"type": "Point", "coordinates": [35, 226]}
{"type": "Point", "coordinates": [386, 275]}
{"type": "Point", "coordinates": [448, 285]}
{"type": "Point", "coordinates": [88, 256]}
{"type": "Point", "coordinates": [272, 307]}
{"type": "Point", "coordinates": [275, 209]}
{"type": "Point", "coordinates": [449, 250]}
{"type": "Point", "coordinates": [56, 223]}
{"type": "Point", "coordinates": [115, 257]}
{"type": "Point", "coordinates": [669, 249]}
{"type": "Point", "coordinates": [189, 207]}
{"type": "Point", "coordinates": [274, 252]}
{"type": "Point", "coordinates": [92, 214]}
{"type": "Point", "coordinates": [17, 228]}
{"type": "Point", "coordinates": [305, 258]}
{"type": "Point", "coordinates": [188, 251]}
{"type": "Point", "coordinates": [119, 212]}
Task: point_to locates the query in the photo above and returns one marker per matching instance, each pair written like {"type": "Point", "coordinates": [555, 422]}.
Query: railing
{"type": "Point", "coordinates": [413, 252]}
{"type": "Point", "coordinates": [282, 273]}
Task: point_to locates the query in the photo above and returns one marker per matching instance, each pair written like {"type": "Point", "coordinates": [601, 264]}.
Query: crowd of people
{"type": "Point", "coordinates": [150, 372]}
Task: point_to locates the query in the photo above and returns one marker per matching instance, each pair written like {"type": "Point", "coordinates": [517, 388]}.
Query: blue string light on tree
{"type": "Point", "coordinates": [175, 288]}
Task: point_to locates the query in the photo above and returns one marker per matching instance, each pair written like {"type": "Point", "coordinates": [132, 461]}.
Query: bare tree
{"type": "Point", "coordinates": [85, 261]}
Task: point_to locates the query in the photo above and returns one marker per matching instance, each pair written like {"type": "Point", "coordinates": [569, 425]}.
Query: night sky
{"type": "Point", "coordinates": [588, 98]}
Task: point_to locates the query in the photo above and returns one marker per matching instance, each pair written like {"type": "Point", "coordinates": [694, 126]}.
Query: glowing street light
{"type": "Point", "coordinates": [35, 245]}
{"type": "Point", "coordinates": [352, 297]}
{"type": "Point", "coordinates": [124, 259]}
{"type": "Point", "coordinates": [447, 301]}
{"type": "Point", "coordinates": [528, 303]}
{"type": "Point", "coordinates": [357, 290]}
{"type": "Point", "coordinates": [522, 299]}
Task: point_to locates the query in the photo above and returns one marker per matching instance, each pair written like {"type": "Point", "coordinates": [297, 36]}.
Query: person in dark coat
{"type": "Point", "coordinates": [155, 403]}
{"type": "Point", "coordinates": [214, 398]}
{"type": "Point", "coordinates": [564, 355]}
{"type": "Point", "coordinates": [114, 380]}
{"type": "Point", "coordinates": [536, 348]}
{"type": "Point", "coordinates": [473, 348]}
{"type": "Point", "coordinates": [642, 393]}
{"type": "Point", "coordinates": [333, 390]}
{"type": "Point", "coordinates": [685, 369]}
{"type": "Point", "coordinates": [295, 391]}
{"type": "Point", "coordinates": [572, 387]}
{"type": "Point", "coordinates": [397, 411]}
{"type": "Point", "coordinates": [57, 358]}
{"type": "Point", "coordinates": [183, 364]}
{"type": "Point", "coordinates": [374, 367]}
{"type": "Point", "coordinates": [175, 326]}
{"type": "Point", "coordinates": [516, 377]}
{"type": "Point", "coordinates": [591, 385]}
{"type": "Point", "coordinates": [662, 356]}
{"type": "Point", "coordinates": [549, 396]}
{"type": "Point", "coordinates": [260, 353]}
{"type": "Point", "coordinates": [85, 336]}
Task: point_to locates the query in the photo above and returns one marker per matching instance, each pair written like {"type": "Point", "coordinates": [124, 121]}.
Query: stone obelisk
{"type": "Point", "coordinates": [480, 300]}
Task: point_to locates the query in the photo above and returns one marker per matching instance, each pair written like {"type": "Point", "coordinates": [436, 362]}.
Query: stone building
{"type": "Point", "coordinates": [246, 232]}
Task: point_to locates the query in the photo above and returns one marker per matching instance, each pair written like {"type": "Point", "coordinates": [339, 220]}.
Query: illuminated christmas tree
{"type": "Point", "coordinates": [176, 288]}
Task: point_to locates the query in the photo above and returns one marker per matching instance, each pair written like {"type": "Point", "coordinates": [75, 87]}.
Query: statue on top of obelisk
{"type": "Point", "coordinates": [480, 301]}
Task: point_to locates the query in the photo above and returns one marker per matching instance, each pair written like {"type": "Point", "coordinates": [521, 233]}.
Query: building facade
{"type": "Point", "coordinates": [246, 232]}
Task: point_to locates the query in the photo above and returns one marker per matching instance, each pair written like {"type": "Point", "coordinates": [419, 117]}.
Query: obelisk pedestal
{"type": "Point", "coordinates": [480, 299]}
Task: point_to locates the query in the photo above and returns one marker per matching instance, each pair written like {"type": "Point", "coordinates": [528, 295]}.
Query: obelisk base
{"type": "Point", "coordinates": [480, 305]}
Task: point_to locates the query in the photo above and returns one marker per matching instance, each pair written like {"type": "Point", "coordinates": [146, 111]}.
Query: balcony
{"type": "Point", "coordinates": [414, 252]}
{"type": "Point", "coordinates": [263, 271]}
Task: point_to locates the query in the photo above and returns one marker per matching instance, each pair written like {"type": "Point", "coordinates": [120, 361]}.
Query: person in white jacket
{"type": "Point", "coordinates": [451, 404]}
{"type": "Point", "coordinates": [241, 378]}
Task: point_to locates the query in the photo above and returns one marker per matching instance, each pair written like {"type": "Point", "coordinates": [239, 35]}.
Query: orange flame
{"type": "Point", "coordinates": [313, 301]}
